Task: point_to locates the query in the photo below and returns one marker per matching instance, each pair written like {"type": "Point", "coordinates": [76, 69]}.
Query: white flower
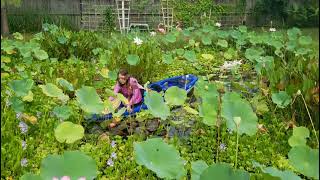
{"type": "Point", "coordinates": [272, 29]}
{"type": "Point", "coordinates": [137, 41]}
{"type": "Point", "coordinates": [218, 24]}
{"type": "Point", "coordinates": [153, 33]}
{"type": "Point", "coordinates": [230, 64]}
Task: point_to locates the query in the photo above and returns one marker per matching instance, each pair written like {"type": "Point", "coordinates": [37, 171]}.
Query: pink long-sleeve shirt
{"type": "Point", "coordinates": [133, 95]}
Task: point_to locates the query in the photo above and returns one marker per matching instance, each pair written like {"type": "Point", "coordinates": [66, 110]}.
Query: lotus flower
{"type": "Point", "coordinates": [137, 41]}
{"type": "Point", "coordinates": [218, 24]}
{"type": "Point", "coordinates": [230, 64]}
{"type": "Point", "coordinates": [153, 33]}
{"type": "Point", "coordinates": [272, 29]}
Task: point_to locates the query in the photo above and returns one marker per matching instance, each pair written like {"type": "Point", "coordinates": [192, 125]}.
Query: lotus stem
{"type": "Point", "coordinates": [314, 130]}
{"type": "Point", "coordinates": [237, 149]}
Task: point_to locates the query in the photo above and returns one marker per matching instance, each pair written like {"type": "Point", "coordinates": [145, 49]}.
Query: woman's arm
{"type": "Point", "coordinates": [115, 90]}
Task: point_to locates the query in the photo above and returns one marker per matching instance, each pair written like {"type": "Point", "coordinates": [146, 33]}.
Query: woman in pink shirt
{"type": "Point", "coordinates": [130, 88]}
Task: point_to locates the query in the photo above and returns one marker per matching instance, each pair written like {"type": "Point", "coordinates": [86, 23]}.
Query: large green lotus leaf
{"type": "Point", "coordinates": [282, 175]}
{"type": "Point", "coordinates": [305, 160]}
{"type": "Point", "coordinates": [62, 112]}
{"type": "Point", "coordinates": [206, 40]}
{"type": "Point", "coordinates": [21, 87]}
{"type": "Point", "coordinates": [40, 54]}
{"type": "Point", "coordinates": [74, 164]}
{"type": "Point", "coordinates": [190, 56]}
{"type": "Point", "coordinates": [133, 59]}
{"type": "Point", "coordinates": [242, 29]}
{"type": "Point", "coordinates": [161, 158]}
{"type": "Point", "coordinates": [65, 84]}
{"type": "Point", "coordinates": [305, 40]}
{"type": "Point", "coordinates": [275, 174]}
{"type": "Point", "coordinates": [197, 167]}
{"type": "Point", "coordinates": [209, 107]}
{"type": "Point", "coordinates": [252, 54]}
{"type": "Point", "coordinates": [229, 54]}
{"type": "Point", "coordinates": [299, 136]}
{"type": "Point", "coordinates": [282, 99]}
{"type": "Point", "coordinates": [29, 97]}
{"type": "Point", "coordinates": [167, 58]}
{"type": "Point", "coordinates": [112, 75]}
{"type": "Point", "coordinates": [156, 105]}
{"type": "Point", "coordinates": [255, 39]}
{"type": "Point", "coordinates": [89, 100]}
{"type": "Point", "coordinates": [223, 43]}
{"type": "Point", "coordinates": [235, 34]}
{"type": "Point", "coordinates": [17, 104]}
{"type": "Point", "coordinates": [175, 96]}
{"type": "Point", "coordinates": [293, 33]}
{"type": "Point", "coordinates": [223, 172]}
{"type": "Point", "coordinates": [222, 34]}
{"type": "Point", "coordinates": [179, 52]}
{"type": "Point", "coordinates": [170, 38]}
{"type": "Point", "coordinates": [234, 106]}
{"type": "Point", "coordinates": [207, 56]}
{"type": "Point", "coordinates": [68, 132]}
{"type": "Point", "coordinates": [52, 90]}
{"type": "Point", "coordinates": [30, 176]}
{"type": "Point", "coordinates": [208, 110]}
{"type": "Point", "coordinates": [291, 45]}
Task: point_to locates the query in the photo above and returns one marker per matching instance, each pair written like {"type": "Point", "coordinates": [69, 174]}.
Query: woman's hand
{"type": "Point", "coordinates": [129, 108]}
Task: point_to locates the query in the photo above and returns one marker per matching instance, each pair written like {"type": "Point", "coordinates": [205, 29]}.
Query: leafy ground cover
{"type": "Point", "coordinates": [253, 113]}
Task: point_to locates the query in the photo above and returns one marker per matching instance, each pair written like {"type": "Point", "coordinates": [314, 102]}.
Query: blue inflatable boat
{"type": "Point", "coordinates": [186, 82]}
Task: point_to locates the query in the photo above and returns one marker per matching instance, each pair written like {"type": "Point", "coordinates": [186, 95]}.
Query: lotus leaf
{"type": "Point", "coordinates": [65, 84]}
{"type": "Point", "coordinates": [40, 54]}
{"type": "Point", "coordinates": [74, 164]}
{"type": "Point", "coordinates": [282, 99]}
{"type": "Point", "coordinates": [223, 172]}
{"type": "Point", "coordinates": [21, 87]}
{"type": "Point", "coordinates": [62, 112]}
{"type": "Point", "coordinates": [161, 158]}
{"type": "Point", "coordinates": [175, 96]}
{"type": "Point", "coordinates": [190, 56]}
{"type": "Point", "coordinates": [223, 43]}
{"type": "Point", "coordinates": [68, 132]}
{"type": "Point", "coordinates": [197, 167]}
{"type": "Point", "coordinates": [156, 105]}
{"type": "Point", "coordinates": [89, 100]}
{"type": "Point", "coordinates": [133, 59]}
{"type": "Point", "coordinates": [305, 160]}
{"type": "Point", "coordinates": [234, 106]}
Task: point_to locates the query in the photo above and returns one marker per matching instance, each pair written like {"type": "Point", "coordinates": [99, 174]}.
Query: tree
{"type": "Point", "coordinates": [4, 18]}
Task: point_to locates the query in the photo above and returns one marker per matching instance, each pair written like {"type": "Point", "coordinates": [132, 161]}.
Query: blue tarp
{"type": "Point", "coordinates": [186, 82]}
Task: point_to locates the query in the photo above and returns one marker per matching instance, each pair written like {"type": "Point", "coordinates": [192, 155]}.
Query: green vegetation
{"type": "Point", "coordinates": [253, 113]}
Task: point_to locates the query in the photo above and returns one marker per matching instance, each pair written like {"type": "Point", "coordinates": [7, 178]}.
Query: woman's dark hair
{"type": "Point", "coordinates": [123, 72]}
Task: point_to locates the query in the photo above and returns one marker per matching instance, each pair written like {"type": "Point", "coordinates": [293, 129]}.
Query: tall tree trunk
{"type": "Point", "coordinates": [4, 21]}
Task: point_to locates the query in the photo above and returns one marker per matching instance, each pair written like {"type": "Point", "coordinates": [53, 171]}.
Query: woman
{"type": "Point", "coordinates": [130, 88]}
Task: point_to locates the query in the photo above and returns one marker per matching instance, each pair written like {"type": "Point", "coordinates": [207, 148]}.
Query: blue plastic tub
{"type": "Point", "coordinates": [186, 82]}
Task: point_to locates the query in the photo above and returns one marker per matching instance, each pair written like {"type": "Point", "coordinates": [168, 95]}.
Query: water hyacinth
{"type": "Point", "coordinates": [137, 41]}
{"type": "Point", "coordinates": [230, 64]}
{"type": "Point", "coordinates": [23, 127]}
{"type": "Point", "coordinates": [24, 145]}
{"type": "Point", "coordinates": [113, 144]}
{"type": "Point", "coordinates": [110, 162]}
{"type": "Point", "coordinates": [8, 103]}
{"type": "Point", "coordinates": [24, 162]}
{"type": "Point", "coordinates": [217, 24]}
{"type": "Point", "coordinates": [114, 155]}
{"type": "Point", "coordinates": [229, 131]}
{"type": "Point", "coordinates": [39, 114]}
{"type": "Point", "coordinates": [272, 29]}
{"type": "Point", "coordinates": [222, 147]}
{"type": "Point", "coordinates": [18, 115]}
